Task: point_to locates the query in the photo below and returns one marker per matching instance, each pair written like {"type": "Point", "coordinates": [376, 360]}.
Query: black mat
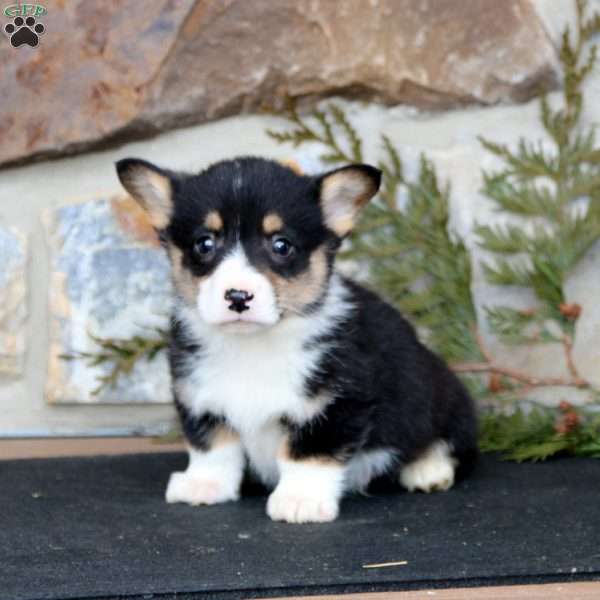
{"type": "Point", "coordinates": [88, 528]}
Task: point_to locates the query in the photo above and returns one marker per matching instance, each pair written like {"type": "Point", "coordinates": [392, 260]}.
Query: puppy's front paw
{"type": "Point", "coordinates": [194, 488]}
{"type": "Point", "coordinates": [301, 508]}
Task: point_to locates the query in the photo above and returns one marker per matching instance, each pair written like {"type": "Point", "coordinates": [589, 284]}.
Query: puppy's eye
{"type": "Point", "coordinates": [205, 247]}
{"type": "Point", "coordinates": [281, 247]}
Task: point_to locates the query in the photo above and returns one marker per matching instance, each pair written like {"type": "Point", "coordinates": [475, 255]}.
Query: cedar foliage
{"type": "Point", "coordinates": [555, 186]}
{"type": "Point", "coordinates": [118, 356]}
{"type": "Point", "coordinates": [540, 433]}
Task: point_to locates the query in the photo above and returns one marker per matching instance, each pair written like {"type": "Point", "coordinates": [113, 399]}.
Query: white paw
{"type": "Point", "coordinates": [301, 508]}
{"type": "Point", "coordinates": [194, 488]}
{"type": "Point", "coordinates": [432, 471]}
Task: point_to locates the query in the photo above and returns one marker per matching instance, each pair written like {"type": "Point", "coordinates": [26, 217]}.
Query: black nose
{"type": "Point", "coordinates": [238, 299]}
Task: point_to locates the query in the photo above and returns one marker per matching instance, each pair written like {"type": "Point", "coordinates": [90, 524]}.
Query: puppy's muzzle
{"type": "Point", "coordinates": [239, 300]}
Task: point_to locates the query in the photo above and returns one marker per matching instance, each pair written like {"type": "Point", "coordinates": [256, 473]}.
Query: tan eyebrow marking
{"type": "Point", "coordinates": [290, 163]}
{"type": "Point", "coordinates": [213, 221]}
{"type": "Point", "coordinates": [272, 223]}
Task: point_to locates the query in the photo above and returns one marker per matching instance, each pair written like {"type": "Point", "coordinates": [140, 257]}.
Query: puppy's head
{"type": "Point", "coordinates": [250, 241]}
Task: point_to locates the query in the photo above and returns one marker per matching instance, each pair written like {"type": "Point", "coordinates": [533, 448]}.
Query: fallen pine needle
{"type": "Point", "coordinates": [398, 563]}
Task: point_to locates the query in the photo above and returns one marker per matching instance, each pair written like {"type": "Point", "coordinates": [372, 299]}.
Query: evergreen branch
{"type": "Point", "coordinates": [508, 273]}
{"type": "Point", "coordinates": [120, 356]}
{"type": "Point", "coordinates": [507, 239]}
{"type": "Point", "coordinates": [575, 375]}
{"type": "Point", "coordinates": [531, 381]}
{"type": "Point", "coordinates": [579, 186]}
{"type": "Point", "coordinates": [324, 134]}
{"type": "Point", "coordinates": [541, 433]}
{"type": "Point", "coordinates": [517, 375]}
{"type": "Point", "coordinates": [328, 139]}
{"type": "Point", "coordinates": [339, 117]}
{"type": "Point", "coordinates": [510, 324]}
{"type": "Point", "coordinates": [529, 162]}
{"type": "Point", "coordinates": [542, 183]}
{"type": "Point", "coordinates": [525, 199]}
{"type": "Point", "coordinates": [581, 150]}
{"type": "Point", "coordinates": [395, 162]}
{"type": "Point", "coordinates": [392, 170]}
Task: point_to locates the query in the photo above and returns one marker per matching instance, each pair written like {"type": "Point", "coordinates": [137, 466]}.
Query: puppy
{"type": "Point", "coordinates": [279, 362]}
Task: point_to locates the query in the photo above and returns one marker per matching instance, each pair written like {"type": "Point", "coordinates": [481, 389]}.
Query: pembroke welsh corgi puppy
{"type": "Point", "coordinates": [279, 362]}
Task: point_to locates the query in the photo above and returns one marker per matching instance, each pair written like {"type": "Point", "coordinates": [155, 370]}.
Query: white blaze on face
{"type": "Point", "coordinates": [236, 273]}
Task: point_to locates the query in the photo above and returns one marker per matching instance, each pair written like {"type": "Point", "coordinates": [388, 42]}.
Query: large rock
{"type": "Point", "coordinates": [109, 278]}
{"type": "Point", "coordinates": [105, 70]}
{"type": "Point", "coordinates": [13, 300]}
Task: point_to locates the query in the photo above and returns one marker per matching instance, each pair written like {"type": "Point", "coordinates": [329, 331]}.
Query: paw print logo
{"type": "Point", "coordinates": [24, 31]}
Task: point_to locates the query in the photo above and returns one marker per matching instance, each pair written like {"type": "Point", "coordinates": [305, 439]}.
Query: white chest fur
{"type": "Point", "coordinates": [254, 380]}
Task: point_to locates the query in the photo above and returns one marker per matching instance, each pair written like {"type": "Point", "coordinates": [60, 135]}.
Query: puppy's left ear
{"type": "Point", "coordinates": [150, 186]}
{"type": "Point", "coordinates": [343, 193]}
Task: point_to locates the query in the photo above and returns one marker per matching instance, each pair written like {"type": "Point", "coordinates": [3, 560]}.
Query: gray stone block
{"type": "Point", "coordinates": [13, 300]}
{"type": "Point", "coordinates": [109, 278]}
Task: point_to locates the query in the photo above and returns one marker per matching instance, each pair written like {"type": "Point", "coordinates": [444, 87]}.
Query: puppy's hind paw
{"type": "Point", "coordinates": [432, 471]}
{"type": "Point", "coordinates": [194, 488]}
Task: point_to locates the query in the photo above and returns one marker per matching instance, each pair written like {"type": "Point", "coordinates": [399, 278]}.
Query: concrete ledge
{"type": "Point", "coordinates": [52, 448]}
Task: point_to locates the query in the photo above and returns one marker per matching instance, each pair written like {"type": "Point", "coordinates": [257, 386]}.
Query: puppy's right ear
{"type": "Point", "coordinates": [150, 187]}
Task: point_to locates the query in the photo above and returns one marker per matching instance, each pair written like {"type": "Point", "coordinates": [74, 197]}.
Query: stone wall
{"type": "Point", "coordinates": [78, 257]}
{"type": "Point", "coordinates": [111, 70]}
{"type": "Point", "coordinates": [109, 278]}
{"type": "Point", "coordinates": [13, 300]}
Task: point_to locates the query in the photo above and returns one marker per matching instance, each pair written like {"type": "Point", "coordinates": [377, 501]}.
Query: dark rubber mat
{"type": "Point", "coordinates": [99, 527]}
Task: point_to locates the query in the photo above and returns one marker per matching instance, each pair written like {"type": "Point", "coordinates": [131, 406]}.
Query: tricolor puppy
{"type": "Point", "coordinates": [279, 362]}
